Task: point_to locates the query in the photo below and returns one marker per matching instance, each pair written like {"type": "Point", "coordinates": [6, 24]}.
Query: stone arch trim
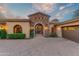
{"type": "Point", "coordinates": [38, 23]}
{"type": "Point", "coordinates": [39, 28]}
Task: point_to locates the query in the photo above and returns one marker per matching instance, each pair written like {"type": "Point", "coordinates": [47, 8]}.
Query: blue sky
{"type": "Point", "coordinates": [61, 11]}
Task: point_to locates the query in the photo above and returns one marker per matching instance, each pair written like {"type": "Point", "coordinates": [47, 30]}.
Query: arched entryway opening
{"type": "Point", "coordinates": [17, 29]}
{"type": "Point", "coordinates": [38, 28]}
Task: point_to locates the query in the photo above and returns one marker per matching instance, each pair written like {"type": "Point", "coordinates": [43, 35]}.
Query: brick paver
{"type": "Point", "coordinates": [39, 46]}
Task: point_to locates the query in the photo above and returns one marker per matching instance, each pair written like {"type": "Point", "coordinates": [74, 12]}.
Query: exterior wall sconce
{"type": "Point", "coordinates": [45, 28]}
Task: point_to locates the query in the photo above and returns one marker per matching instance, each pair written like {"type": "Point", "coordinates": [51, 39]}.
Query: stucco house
{"type": "Point", "coordinates": [39, 22]}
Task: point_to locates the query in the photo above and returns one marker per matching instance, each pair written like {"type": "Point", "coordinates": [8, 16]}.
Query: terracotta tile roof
{"type": "Point", "coordinates": [14, 20]}
{"type": "Point", "coordinates": [71, 20]}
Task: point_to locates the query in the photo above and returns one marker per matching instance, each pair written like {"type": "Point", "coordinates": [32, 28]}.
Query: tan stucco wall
{"type": "Point", "coordinates": [25, 27]}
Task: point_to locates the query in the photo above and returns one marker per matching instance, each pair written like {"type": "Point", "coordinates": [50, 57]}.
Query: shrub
{"type": "Point", "coordinates": [31, 33]}
{"type": "Point", "coordinates": [16, 36]}
{"type": "Point", "coordinates": [3, 34]}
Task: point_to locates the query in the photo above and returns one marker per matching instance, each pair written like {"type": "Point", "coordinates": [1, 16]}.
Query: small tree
{"type": "Point", "coordinates": [31, 33]}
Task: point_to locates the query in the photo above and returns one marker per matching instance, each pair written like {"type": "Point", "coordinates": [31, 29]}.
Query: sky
{"type": "Point", "coordinates": [60, 11]}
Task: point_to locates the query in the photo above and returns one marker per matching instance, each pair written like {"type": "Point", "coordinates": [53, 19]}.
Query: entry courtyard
{"type": "Point", "coordinates": [39, 46]}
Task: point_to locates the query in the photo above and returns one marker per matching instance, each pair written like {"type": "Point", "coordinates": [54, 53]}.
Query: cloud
{"type": "Point", "coordinates": [44, 7]}
{"type": "Point", "coordinates": [65, 6]}
{"type": "Point", "coordinates": [2, 9]}
{"type": "Point", "coordinates": [63, 10]}
{"type": "Point", "coordinates": [62, 7]}
{"type": "Point", "coordinates": [60, 15]}
{"type": "Point", "coordinates": [6, 12]}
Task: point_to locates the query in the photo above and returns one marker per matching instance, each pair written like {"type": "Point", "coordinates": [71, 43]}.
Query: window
{"type": "Point", "coordinates": [71, 28]}
{"type": "Point", "coordinates": [65, 28]}
{"type": "Point", "coordinates": [17, 29]}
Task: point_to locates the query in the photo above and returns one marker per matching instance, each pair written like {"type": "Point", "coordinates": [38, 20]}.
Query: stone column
{"type": "Point", "coordinates": [59, 31]}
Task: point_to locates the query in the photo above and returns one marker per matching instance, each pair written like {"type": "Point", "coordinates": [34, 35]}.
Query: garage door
{"type": "Point", "coordinates": [71, 32]}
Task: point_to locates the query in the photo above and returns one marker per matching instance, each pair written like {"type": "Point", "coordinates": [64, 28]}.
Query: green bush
{"type": "Point", "coordinates": [3, 34]}
{"type": "Point", "coordinates": [16, 36]}
{"type": "Point", "coordinates": [31, 33]}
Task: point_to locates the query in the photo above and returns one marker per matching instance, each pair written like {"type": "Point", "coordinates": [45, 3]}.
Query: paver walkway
{"type": "Point", "coordinates": [39, 46]}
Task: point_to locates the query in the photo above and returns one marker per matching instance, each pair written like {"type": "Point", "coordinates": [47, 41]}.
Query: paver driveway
{"type": "Point", "coordinates": [39, 46]}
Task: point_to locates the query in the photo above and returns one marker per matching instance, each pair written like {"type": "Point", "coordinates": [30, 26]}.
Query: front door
{"type": "Point", "coordinates": [39, 29]}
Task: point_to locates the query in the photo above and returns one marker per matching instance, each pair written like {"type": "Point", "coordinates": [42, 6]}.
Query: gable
{"type": "Point", "coordinates": [39, 17]}
{"type": "Point", "coordinates": [39, 14]}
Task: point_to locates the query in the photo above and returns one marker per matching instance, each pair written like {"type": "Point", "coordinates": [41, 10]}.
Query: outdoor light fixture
{"type": "Point", "coordinates": [3, 27]}
{"type": "Point", "coordinates": [45, 28]}
{"type": "Point", "coordinates": [6, 27]}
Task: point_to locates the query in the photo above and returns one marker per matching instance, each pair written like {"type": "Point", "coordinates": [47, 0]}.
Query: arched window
{"type": "Point", "coordinates": [17, 29]}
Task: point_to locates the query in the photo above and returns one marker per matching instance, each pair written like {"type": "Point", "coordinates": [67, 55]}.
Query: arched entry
{"type": "Point", "coordinates": [17, 29]}
{"type": "Point", "coordinates": [38, 28]}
